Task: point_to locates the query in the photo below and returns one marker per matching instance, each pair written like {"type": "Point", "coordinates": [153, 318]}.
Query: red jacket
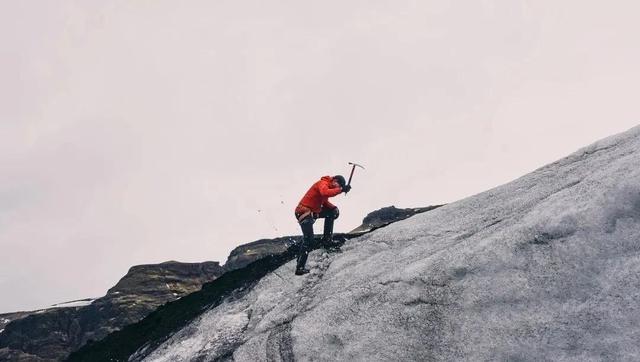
{"type": "Point", "coordinates": [318, 195]}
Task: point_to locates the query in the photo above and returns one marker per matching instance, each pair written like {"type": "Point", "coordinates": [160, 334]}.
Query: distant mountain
{"type": "Point", "coordinates": [51, 334]}
{"type": "Point", "coordinates": [545, 268]}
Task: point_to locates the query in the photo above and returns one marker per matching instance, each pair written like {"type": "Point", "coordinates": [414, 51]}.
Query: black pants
{"type": "Point", "coordinates": [306, 224]}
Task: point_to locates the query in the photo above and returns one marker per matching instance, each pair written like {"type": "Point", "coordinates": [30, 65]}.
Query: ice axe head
{"type": "Point", "coordinates": [353, 168]}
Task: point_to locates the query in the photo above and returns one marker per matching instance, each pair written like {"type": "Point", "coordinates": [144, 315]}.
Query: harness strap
{"type": "Point", "coordinates": [304, 215]}
{"type": "Point", "coordinates": [302, 212]}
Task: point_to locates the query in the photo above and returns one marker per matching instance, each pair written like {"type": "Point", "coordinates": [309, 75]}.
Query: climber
{"type": "Point", "coordinates": [315, 204]}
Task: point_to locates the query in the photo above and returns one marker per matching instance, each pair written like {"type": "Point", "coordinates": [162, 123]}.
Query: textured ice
{"type": "Point", "coordinates": [546, 267]}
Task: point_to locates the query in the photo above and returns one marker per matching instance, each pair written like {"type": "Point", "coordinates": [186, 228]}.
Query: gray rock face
{"type": "Point", "coordinates": [543, 268]}
{"type": "Point", "coordinates": [51, 334]}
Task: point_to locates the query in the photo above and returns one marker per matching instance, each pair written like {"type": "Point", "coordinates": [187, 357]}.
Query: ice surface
{"type": "Point", "coordinates": [546, 267]}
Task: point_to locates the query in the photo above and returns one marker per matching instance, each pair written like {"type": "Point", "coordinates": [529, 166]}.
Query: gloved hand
{"type": "Point", "coordinates": [346, 188]}
{"type": "Point", "coordinates": [336, 213]}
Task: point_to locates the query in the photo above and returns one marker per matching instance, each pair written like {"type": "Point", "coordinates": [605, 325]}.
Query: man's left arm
{"type": "Point", "coordinates": [328, 191]}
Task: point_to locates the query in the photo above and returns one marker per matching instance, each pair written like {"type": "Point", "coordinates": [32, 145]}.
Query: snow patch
{"type": "Point", "coordinates": [74, 303]}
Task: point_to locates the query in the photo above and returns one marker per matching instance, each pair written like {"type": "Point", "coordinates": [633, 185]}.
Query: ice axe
{"type": "Point", "coordinates": [353, 169]}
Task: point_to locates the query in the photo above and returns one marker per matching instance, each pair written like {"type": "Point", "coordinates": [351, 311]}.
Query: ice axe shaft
{"type": "Point", "coordinates": [352, 170]}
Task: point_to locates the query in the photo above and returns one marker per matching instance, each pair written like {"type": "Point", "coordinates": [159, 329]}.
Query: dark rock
{"type": "Point", "coordinates": [163, 280]}
{"type": "Point", "coordinates": [246, 254]}
{"type": "Point", "coordinates": [8, 317]}
{"type": "Point", "coordinates": [388, 215]}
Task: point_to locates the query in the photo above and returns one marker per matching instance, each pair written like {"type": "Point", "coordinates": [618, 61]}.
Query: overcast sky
{"type": "Point", "coordinates": [137, 132]}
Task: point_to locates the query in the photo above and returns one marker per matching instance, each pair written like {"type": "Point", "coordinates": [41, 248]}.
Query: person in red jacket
{"type": "Point", "coordinates": [315, 204]}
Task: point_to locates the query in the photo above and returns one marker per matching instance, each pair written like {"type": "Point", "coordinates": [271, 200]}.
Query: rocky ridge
{"type": "Point", "coordinates": [51, 334]}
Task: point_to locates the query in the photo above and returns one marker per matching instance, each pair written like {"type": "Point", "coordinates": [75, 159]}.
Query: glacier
{"type": "Point", "coordinates": [546, 267]}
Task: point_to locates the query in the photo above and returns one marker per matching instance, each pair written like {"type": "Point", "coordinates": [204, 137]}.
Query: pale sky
{"type": "Point", "coordinates": [137, 132]}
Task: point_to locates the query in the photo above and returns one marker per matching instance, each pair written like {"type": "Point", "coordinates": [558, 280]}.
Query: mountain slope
{"type": "Point", "coordinates": [50, 334]}
{"type": "Point", "coordinates": [546, 267]}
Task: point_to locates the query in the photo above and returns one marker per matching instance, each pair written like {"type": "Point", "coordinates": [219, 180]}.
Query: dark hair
{"type": "Point", "coordinates": [340, 180]}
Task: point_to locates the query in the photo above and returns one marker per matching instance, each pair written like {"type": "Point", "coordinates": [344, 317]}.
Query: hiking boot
{"type": "Point", "coordinates": [330, 244]}
{"type": "Point", "coordinates": [302, 271]}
